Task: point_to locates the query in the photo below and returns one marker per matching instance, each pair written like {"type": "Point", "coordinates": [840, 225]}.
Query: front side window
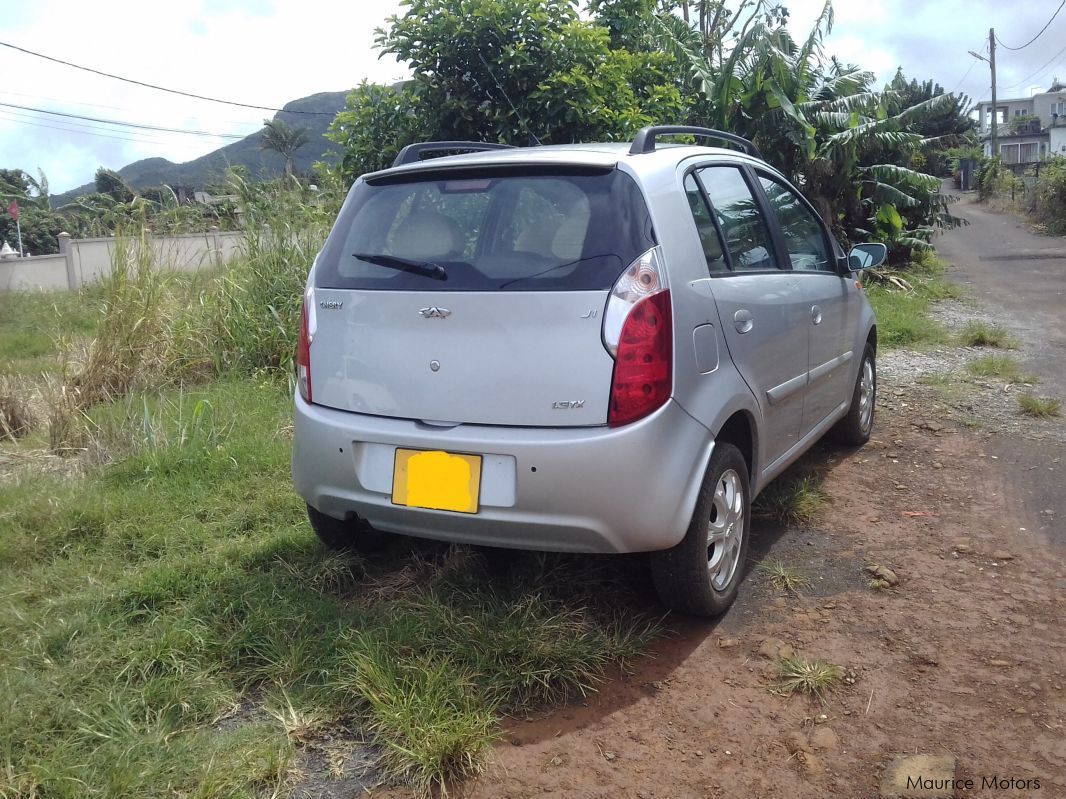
{"type": "Point", "coordinates": [804, 236]}
{"type": "Point", "coordinates": [739, 217]}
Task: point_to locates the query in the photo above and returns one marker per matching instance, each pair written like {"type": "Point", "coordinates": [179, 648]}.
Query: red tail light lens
{"type": "Point", "coordinates": [303, 355]}
{"type": "Point", "coordinates": [638, 331]}
{"type": "Point", "coordinates": [642, 370]}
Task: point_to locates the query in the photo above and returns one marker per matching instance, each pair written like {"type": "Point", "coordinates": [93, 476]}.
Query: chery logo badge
{"type": "Point", "coordinates": [435, 313]}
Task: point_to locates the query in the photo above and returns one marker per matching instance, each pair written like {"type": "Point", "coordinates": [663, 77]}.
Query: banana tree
{"type": "Point", "coordinates": [820, 121]}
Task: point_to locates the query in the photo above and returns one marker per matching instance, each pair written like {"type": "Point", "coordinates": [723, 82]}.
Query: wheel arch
{"type": "Point", "coordinates": [740, 431]}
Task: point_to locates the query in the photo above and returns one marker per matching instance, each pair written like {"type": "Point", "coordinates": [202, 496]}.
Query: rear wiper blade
{"type": "Point", "coordinates": [424, 268]}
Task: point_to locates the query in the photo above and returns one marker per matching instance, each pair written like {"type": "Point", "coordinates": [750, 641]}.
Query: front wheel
{"type": "Point", "coordinates": [855, 428]}
{"type": "Point", "coordinates": [702, 574]}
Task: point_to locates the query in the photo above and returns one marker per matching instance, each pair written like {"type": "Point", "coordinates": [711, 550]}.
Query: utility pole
{"type": "Point", "coordinates": [995, 109]}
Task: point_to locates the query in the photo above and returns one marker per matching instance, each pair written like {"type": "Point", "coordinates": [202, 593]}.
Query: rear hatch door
{"type": "Point", "coordinates": [476, 295]}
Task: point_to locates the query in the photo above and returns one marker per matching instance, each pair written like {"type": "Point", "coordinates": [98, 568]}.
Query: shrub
{"type": "Point", "coordinates": [1049, 196]}
{"type": "Point", "coordinates": [994, 180]}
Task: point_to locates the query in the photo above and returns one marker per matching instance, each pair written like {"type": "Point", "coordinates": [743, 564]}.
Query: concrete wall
{"type": "Point", "coordinates": [1045, 104]}
{"type": "Point", "coordinates": [82, 261]}
{"type": "Point", "coordinates": [1058, 140]}
{"type": "Point", "coordinates": [47, 272]}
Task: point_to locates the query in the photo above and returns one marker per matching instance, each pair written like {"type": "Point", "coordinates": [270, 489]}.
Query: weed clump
{"type": "Point", "coordinates": [800, 500]}
{"type": "Point", "coordinates": [16, 418]}
{"type": "Point", "coordinates": [981, 334]}
{"type": "Point", "coordinates": [1039, 407]}
{"type": "Point", "coordinates": [814, 678]}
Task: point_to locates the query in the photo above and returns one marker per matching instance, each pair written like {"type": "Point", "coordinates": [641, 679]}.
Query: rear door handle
{"type": "Point", "coordinates": [816, 314]}
{"type": "Point", "coordinates": [743, 320]}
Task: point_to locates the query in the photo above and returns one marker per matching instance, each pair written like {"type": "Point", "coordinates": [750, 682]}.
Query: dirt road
{"type": "Point", "coordinates": [1020, 277]}
{"type": "Point", "coordinates": [963, 660]}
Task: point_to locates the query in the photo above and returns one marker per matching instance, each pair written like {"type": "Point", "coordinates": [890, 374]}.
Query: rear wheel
{"type": "Point", "coordinates": [349, 534]}
{"type": "Point", "coordinates": [855, 428]}
{"type": "Point", "coordinates": [701, 575]}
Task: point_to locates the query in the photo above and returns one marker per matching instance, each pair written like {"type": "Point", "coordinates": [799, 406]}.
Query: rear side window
{"type": "Point", "coordinates": [739, 217]}
{"type": "Point", "coordinates": [487, 230]}
{"type": "Point", "coordinates": [701, 215]}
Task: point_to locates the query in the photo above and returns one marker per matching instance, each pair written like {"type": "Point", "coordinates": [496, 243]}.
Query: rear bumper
{"type": "Point", "coordinates": [589, 489]}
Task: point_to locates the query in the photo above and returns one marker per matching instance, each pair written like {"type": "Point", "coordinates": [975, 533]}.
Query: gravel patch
{"type": "Point", "coordinates": [936, 379]}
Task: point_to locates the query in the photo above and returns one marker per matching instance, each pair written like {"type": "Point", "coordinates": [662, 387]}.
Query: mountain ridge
{"type": "Point", "coordinates": [194, 175]}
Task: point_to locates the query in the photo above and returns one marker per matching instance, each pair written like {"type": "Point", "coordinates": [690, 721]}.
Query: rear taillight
{"type": "Point", "coordinates": [303, 350]}
{"type": "Point", "coordinates": [638, 332]}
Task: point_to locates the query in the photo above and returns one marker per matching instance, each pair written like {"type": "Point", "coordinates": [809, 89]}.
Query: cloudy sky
{"type": "Point", "coordinates": [268, 52]}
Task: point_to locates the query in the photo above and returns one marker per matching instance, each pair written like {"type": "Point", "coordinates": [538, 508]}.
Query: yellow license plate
{"type": "Point", "coordinates": [436, 480]}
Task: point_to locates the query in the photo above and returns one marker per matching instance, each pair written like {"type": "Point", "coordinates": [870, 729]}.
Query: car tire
{"type": "Point", "coordinates": [854, 429]}
{"type": "Point", "coordinates": [701, 575]}
{"type": "Point", "coordinates": [354, 535]}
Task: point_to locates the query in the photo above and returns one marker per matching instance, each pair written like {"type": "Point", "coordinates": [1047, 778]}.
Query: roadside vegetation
{"type": "Point", "coordinates": [1039, 194]}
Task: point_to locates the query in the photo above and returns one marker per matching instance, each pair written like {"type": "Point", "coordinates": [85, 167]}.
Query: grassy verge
{"type": "Point", "coordinates": [144, 601]}
{"type": "Point", "coordinates": [903, 313]}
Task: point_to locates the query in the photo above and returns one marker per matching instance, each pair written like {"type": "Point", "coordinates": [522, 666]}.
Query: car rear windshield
{"type": "Point", "coordinates": [521, 229]}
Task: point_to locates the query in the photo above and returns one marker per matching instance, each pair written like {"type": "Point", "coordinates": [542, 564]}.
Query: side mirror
{"type": "Point", "coordinates": [866, 256]}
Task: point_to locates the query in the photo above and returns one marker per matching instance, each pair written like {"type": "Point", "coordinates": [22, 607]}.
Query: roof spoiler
{"type": "Point", "coordinates": [645, 138]}
{"type": "Point", "coordinates": [413, 152]}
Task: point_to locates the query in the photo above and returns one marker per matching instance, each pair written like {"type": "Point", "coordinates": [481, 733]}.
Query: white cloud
{"type": "Point", "coordinates": [259, 53]}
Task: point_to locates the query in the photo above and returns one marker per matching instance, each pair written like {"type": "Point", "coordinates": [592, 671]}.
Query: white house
{"type": "Point", "coordinates": [1029, 129]}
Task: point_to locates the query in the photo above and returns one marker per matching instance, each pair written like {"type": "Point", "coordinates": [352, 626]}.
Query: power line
{"type": "Point", "coordinates": [1007, 47]}
{"type": "Point", "coordinates": [967, 72]}
{"type": "Point", "coordinates": [82, 103]}
{"type": "Point", "coordinates": [136, 140]}
{"type": "Point", "coordinates": [1025, 80]}
{"type": "Point", "coordinates": [136, 125]}
{"type": "Point", "coordinates": [964, 74]}
{"type": "Point", "coordinates": [87, 130]}
{"type": "Point", "coordinates": [161, 88]}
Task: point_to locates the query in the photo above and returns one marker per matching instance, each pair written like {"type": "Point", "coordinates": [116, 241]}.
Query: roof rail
{"type": "Point", "coordinates": [413, 152]}
{"type": "Point", "coordinates": [645, 139]}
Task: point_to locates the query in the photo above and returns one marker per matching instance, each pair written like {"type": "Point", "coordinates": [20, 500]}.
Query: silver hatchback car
{"type": "Point", "coordinates": [583, 348]}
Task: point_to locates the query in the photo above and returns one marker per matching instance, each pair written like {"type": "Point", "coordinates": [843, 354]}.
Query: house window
{"type": "Point", "coordinates": [1018, 112]}
{"type": "Point", "coordinates": [1028, 153]}
{"type": "Point", "coordinates": [1009, 153]}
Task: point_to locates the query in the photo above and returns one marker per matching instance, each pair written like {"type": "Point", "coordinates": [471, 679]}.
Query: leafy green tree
{"type": "Point", "coordinates": [39, 224]}
{"type": "Point", "coordinates": [111, 183]}
{"type": "Point", "coordinates": [377, 121]}
{"type": "Point", "coordinates": [511, 71]}
{"type": "Point", "coordinates": [282, 139]}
